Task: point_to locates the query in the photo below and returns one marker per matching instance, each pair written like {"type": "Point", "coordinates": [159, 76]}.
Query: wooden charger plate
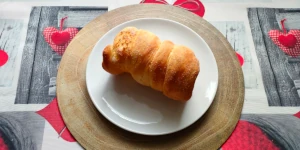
{"type": "Point", "coordinates": [93, 131]}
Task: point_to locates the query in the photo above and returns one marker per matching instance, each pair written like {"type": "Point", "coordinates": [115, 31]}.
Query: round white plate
{"type": "Point", "coordinates": [138, 108]}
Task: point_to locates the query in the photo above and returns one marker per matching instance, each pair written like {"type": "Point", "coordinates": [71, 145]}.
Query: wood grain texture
{"type": "Point", "coordinates": [235, 33]}
{"type": "Point", "coordinates": [9, 42]}
{"type": "Point", "coordinates": [35, 74]}
{"type": "Point", "coordinates": [37, 81]}
{"type": "Point", "coordinates": [93, 131]}
{"type": "Point", "coordinates": [297, 84]}
{"type": "Point", "coordinates": [44, 68]}
{"type": "Point", "coordinates": [278, 74]}
{"type": "Point", "coordinates": [28, 57]}
{"type": "Point", "coordinates": [292, 20]}
{"type": "Point", "coordinates": [78, 19]}
{"type": "Point", "coordinates": [293, 59]}
{"type": "Point", "coordinates": [88, 8]}
{"type": "Point", "coordinates": [291, 9]}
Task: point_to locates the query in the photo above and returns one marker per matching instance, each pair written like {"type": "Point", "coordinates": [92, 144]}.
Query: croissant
{"type": "Point", "coordinates": [161, 65]}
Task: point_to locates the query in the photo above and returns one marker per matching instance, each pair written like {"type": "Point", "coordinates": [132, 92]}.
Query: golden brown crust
{"type": "Point", "coordinates": [164, 66]}
{"type": "Point", "coordinates": [145, 46]}
{"type": "Point", "coordinates": [108, 63]}
{"type": "Point", "coordinates": [158, 66]}
{"type": "Point", "coordinates": [181, 74]}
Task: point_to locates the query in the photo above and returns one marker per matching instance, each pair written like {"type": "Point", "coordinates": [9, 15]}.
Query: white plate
{"type": "Point", "coordinates": [140, 109]}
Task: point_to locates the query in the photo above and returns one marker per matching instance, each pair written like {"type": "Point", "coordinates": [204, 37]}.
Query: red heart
{"type": "Point", "coordinates": [60, 38]}
{"type": "Point", "coordinates": [194, 6]}
{"type": "Point", "coordinates": [240, 58]}
{"type": "Point", "coordinates": [52, 114]}
{"type": "Point", "coordinates": [248, 136]}
{"type": "Point", "coordinates": [3, 145]}
{"type": "Point", "coordinates": [288, 41]}
{"type": "Point", "coordinates": [297, 115]}
{"type": "Point", "coordinates": [3, 57]}
{"type": "Point", "coordinates": [287, 46]}
{"type": "Point", "coordinates": [57, 42]}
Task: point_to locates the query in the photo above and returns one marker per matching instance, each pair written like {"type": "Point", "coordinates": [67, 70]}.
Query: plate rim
{"type": "Point", "coordinates": [143, 133]}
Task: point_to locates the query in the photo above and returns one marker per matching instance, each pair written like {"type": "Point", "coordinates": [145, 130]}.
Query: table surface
{"type": "Point", "coordinates": [27, 80]}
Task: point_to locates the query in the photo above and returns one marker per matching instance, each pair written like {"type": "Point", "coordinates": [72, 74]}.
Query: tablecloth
{"type": "Point", "coordinates": [29, 114]}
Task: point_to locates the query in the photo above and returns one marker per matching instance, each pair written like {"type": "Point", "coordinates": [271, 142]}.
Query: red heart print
{"type": "Point", "coordinates": [249, 136]}
{"type": "Point", "coordinates": [3, 57]}
{"type": "Point", "coordinates": [3, 145]}
{"type": "Point", "coordinates": [295, 51]}
{"type": "Point", "coordinates": [297, 115]}
{"type": "Point", "coordinates": [59, 39]}
{"type": "Point", "coordinates": [240, 58]}
{"type": "Point", "coordinates": [52, 114]}
{"type": "Point", "coordinates": [60, 49]}
{"type": "Point", "coordinates": [194, 6]}
{"type": "Point", "coordinates": [288, 41]}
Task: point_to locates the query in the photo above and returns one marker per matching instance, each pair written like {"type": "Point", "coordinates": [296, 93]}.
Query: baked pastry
{"type": "Point", "coordinates": [161, 65]}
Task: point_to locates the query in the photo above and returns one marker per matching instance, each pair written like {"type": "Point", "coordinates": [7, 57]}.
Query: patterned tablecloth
{"type": "Point", "coordinates": [29, 57]}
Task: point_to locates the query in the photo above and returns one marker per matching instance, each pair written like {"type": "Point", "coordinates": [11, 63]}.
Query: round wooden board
{"type": "Point", "coordinates": [93, 131]}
